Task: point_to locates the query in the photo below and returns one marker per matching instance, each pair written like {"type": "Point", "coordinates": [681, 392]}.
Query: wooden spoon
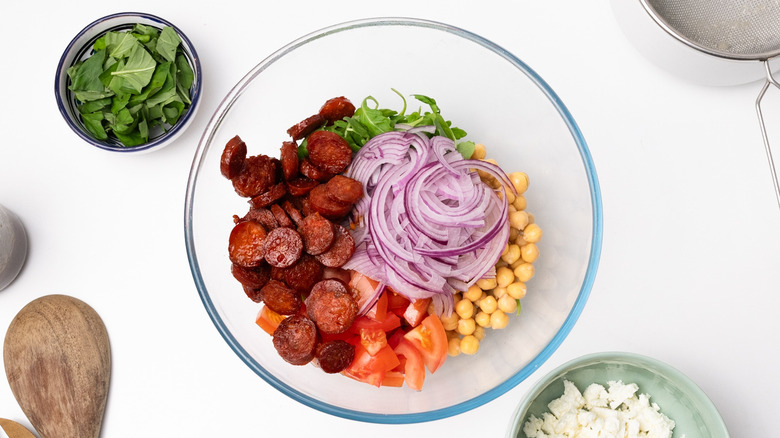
{"type": "Point", "coordinates": [14, 429]}
{"type": "Point", "coordinates": [58, 362]}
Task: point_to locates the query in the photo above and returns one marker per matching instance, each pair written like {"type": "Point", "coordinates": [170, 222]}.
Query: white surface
{"type": "Point", "coordinates": [688, 271]}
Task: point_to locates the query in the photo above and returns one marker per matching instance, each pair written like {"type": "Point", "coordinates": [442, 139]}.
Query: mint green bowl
{"type": "Point", "coordinates": [678, 397]}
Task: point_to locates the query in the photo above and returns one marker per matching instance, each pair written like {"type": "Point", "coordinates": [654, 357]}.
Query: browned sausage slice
{"type": "Point", "coordinates": [336, 109]}
{"type": "Point", "coordinates": [254, 278]}
{"type": "Point", "coordinates": [344, 189]}
{"type": "Point", "coordinates": [311, 171]}
{"type": "Point", "coordinates": [335, 356]}
{"type": "Point", "coordinates": [255, 295]}
{"type": "Point", "coordinates": [261, 215]}
{"type": "Point", "coordinates": [331, 306]}
{"type": "Point", "coordinates": [296, 339]}
{"type": "Point", "coordinates": [283, 247]}
{"type": "Point", "coordinates": [306, 126]}
{"type": "Point", "coordinates": [281, 217]}
{"type": "Point", "coordinates": [273, 194]}
{"type": "Point", "coordinates": [328, 151]}
{"type": "Point", "coordinates": [302, 275]}
{"type": "Point", "coordinates": [280, 298]}
{"type": "Point", "coordinates": [317, 233]}
{"type": "Point", "coordinates": [322, 203]}
{"type": "Point", "coordinates": [341, 251]}
{"type": "Point", "coordinates": [246, 244]}
{"type": "Point", "coordinates": [289, 160]}
{"type": "Point", "coordinates": [301, 186]}
{"type": "Point", "coordinates": [257, 175]}
{"type": "Point", "coordinates": [232, 160]}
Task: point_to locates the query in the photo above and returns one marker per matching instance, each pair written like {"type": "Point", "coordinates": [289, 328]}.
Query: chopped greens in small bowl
{"type": "Point", "coordinates": [129, 82]}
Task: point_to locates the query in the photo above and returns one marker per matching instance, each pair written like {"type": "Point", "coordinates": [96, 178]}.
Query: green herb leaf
{"type": "Point", "coordinates": [95, 105]}
{"type": "Point", "coordinates": [466, 148]}
{"type": "Point", "coordinates": [184, 76]}
{"type": "Point", "coordinates": [167, 43]}
{"type": "Point", "coordinates": [120, 44]}
{"type": "Point", "coordinates": [87, 76]}
{"type": "Point", "coordinates": [94, 124]}
{"type": "Point", "coordinates": [138, 70]}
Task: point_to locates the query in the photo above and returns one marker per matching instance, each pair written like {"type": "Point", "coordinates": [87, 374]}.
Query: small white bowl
{"type": "Point", "coordinates": [80, 48]}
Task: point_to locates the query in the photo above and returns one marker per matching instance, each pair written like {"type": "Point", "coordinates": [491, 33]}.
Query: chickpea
{"type": "Point", "coordinates": [531, 218]}
{"type": "Point", "coordinates": [529, 252]}
{"type": "Point", "coordinates": [482, 319]}
{"type": "Point", "coordinates": [518, 219]}
{"type": "Point", "coordinates": [504, 276]}
{"type": "Point", "coordinates": [464, 309]}
{"type": "Point", "coordinates": [453, 346]}
{"type": "Point", "coordinates": [473, 293]}
{"type": "Point", "coordinates": [500, 291]}
{"type": "Point", "coordinates": [506, 249]}
{"type": "Point", "coordinates": [431, 308]}
{"type": "Point", "coordinates": [520, 241]}
{"type": "Point", "coordinates": [517, 290]}
{"type": "Point", "coordinates": [488, 304]}
{"type": "Point", "coordinates": [479, 333]}
{"type": "Point", "coordinates": [469, 344]}
{"type": "Point", "coordinates": [490, 160]}
{"type": "Point", "coordinates": [501, 263]}
{"type": "Point", "coordinates": [450, 322]}
{"type": "Point", "coordinates": [517, 263]}
{"type": "Point", "coordinates": [513, 233]}
{"type": "Point", "coordinates": [480, 152]}
{"type": "Point", "coordinates": [510, 197]}
{"type": "Point", "coordinates": [524, 272]}
{"type": "Point", "coordinates": [520, 181]}
{"type": "Point", "coordinates": [532, 233]}
{"type": "Point", "coordinates": [498, 320]}
{"type": "Point", "coordinates": [511, 209]}
{"type": "Point", "coordinates": [487, 283]}
{"type": "Point", "coordinates": [507, 304]}
{"type": "Point", "coordinates": [466, 326]}
{"type": "Point", "coordinates": [520, 203]}
{"type": "Point", "coordinates": [512, 254]}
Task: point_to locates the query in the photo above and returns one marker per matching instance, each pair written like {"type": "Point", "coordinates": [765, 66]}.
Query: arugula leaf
{"type": "Point", "coordinates": [466, 148]}
{"type": "Point", "coordinates": [167, 43]}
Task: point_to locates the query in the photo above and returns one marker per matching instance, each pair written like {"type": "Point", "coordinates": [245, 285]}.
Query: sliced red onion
{"type": "Point", "coordinates": [427, 225]}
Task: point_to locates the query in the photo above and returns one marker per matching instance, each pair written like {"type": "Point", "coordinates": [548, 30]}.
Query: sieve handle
{"type": "Point", "coordinates": [770, 80]}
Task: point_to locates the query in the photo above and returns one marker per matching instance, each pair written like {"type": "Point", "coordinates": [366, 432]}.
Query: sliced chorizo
{"type": "Point", "coordinates": [293, 212]}
{"type": "Point", "coordinates": [328, 151]}
{"type": "Point", "coordinates": [280, 298]}
{"type": "Point", "coordinates": [261, 215]}
{"type": "Point", "coordinates": [335, 356]}
{"type": "Point", "coordinates": [301, 186]}
{"type": "Point", "coordinates": [281, 217]}
{"type": "Point", "coordinates": [322, 203]}
{"type": "Point", "coordinates": [306, 126]}
{"type": "Point", "coordinates": [303, 274]}
{"type": "Point", "coordinates": [317, 233]}
{"type": "Point", "coordinates": [255, 295]}
{"type": "Point", "coordinates": [344, 189]}
{"type": "Point", "coordinates": [283, 247]}
{"type": "Point", "coordinates": [289, 160]}
{"type": "Point", "coordinates": [233, 156]}
{"type": "Point", "coordinates": [270, 196]}
{"type": "Point", "coordinates": [246, 246]}
{"type": "Point", "coordinates": [336, 273]}
{"type": "Point", "coordinates": [331, 306]}
{"type": "Point", "coordinates": [336, 109]}
{"type": "Point", "coordinates": [295, 339]}
{"type": "Point", "coordinates": [254, 278]}
{"type": "Point", "coordinates": [309, 170]}
{"type": "Point", "coordinates": [340, 251]}
{"type": "Point", "coordinates": [257, 175]}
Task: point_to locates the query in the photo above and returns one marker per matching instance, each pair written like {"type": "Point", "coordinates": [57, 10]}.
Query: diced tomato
{"type": "Point", "coordinates": [371, 369]}
{"type": "Point", "coordinates": [391, 322]}
{"type": "Point", "coordinates": [430, 339]}
{"type": "Point", "coordinates": [378, 311]}
{"type": "Point", "coordinates": [416, 311]}
{"type": "Point", "coordinates": [395, 301]}
{"type": "Point", "coordinates": [393, 378]}
{"type": "Point", "coordinates": [412, 362]}
{"type": "Point", "coordinates": [373, 340]}
{"type": "Point", "coordinates": [395, 337]}
{"type": "Point", "coordinates": [268, 320]}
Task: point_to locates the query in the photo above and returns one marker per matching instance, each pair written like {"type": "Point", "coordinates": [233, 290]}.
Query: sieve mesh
{"type": "Point", "coordinates": [735, 29]}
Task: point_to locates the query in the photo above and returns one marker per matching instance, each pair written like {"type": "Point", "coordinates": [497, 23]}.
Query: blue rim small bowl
{"type": "Point", "coordinates": [80, 47]}
{"type": "Point", "coordinates": [678, 396]}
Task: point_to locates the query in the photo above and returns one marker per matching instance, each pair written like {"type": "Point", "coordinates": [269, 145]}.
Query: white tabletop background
{"type": "Point", "coordinates": [689, 272]}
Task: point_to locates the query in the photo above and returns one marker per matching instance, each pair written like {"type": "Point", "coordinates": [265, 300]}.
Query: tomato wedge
{"type": "Point", "coordinates": [391, 322]}
{"type": "Point", "coordinates": [393, 378]}
{"type": "Point", "coordinates": [412, 362]}
{"type": "Point", "coordinates": [268, 320]}
{"type": "Point", "coordinates": [416, 311]}
{"type": "Point", "coordinates": [373, 340]}
{"type": "Point", "coordinates": [378, 311]}
{"type": "Point", "coordinates": [371, 369]}
{"type": "Point", "coordinates": [430, 339]}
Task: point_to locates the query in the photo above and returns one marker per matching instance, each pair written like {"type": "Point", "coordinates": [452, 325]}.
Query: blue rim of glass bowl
{"type": "Point", "coordinates": [595, 252]}
{"type": "Point", "coordinates": [180, 124]}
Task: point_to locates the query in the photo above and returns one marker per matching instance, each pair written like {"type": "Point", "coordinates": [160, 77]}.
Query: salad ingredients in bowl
{"type": "Point", "coordinates": [403, 227]}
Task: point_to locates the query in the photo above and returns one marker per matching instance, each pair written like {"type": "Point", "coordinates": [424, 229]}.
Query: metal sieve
{"type": "Point", "coordinates": [742, 30]}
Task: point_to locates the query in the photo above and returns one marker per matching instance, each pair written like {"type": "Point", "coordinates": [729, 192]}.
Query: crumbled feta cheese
{"type": "Point", "coordinates": [616, 412]}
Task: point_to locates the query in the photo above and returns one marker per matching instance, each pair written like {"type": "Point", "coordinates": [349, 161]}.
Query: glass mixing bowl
{"type": "Point", "coordinates": [483, 89]}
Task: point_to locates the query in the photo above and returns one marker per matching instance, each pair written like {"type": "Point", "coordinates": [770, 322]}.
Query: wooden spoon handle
{"type": "Point", "coordinates": [14, 429]}
{"type": "Point", "coordinates": [58, 362]}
